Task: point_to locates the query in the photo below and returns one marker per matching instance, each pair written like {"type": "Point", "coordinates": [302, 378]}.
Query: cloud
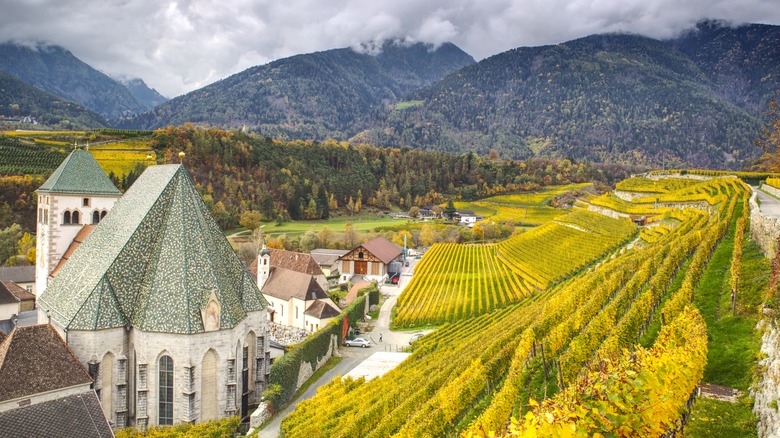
{"type": "Point", "coordinates": [178, 46]}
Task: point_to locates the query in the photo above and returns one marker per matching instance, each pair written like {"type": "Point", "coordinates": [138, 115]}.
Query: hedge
{"type": "Point", "coordinates": [285, 370]}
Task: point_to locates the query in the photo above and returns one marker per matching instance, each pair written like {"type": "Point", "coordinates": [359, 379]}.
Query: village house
{"type": "Point", "coordinates": [327, 259]}
{"type": "Point", "coordinates": [24, 276]}
{"type": "Point", "coordinates": [14, 300]}
{"type": "Point", "coordinates": [153, 302]}
{"type": "Point", "coordinates": [292, 283]}
{"type": "Point", "coordinates": [374, 260]}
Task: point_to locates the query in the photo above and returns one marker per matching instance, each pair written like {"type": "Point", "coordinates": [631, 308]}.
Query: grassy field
{"type": "Point", "coordinates": [362, 223]}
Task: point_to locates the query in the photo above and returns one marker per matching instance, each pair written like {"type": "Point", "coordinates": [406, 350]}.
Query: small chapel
{"type": "Point", "coordinates": [149, 295]}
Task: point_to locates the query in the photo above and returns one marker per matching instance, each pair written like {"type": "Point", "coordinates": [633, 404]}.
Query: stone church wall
{"type": "Point", "coordinates": [186, 351]}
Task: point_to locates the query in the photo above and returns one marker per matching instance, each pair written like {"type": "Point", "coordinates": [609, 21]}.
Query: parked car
{"type": "Point", "coordinates": [357, 342]}
{"type": "Point", "coordinates": [415, 337]}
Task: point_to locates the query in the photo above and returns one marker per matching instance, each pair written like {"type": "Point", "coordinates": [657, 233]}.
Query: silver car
{"type": "Point", "coordinates": [415, 337]}
{"type": "Point", "coordinates": [357, 342]}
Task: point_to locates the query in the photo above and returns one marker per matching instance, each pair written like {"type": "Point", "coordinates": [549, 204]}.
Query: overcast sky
{"type": "Point", "coordinates": [179, 46]}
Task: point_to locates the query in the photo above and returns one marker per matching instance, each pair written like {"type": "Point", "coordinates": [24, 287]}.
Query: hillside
{"type": "Point", "coordinates": [743, 61]}
{"type": "Point", "coordinates": [55, 70]}
{"type": "Point", "coordinates": [319, 95]}
{"type": "Point", "coordinates": [19, 99]}
{"type": "Point", "coordinates": [617, 350]}
{"type": "Point", "coordinates": [617, 98]}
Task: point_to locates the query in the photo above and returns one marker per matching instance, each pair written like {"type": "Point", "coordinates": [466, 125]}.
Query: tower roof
{"type": "Point", "coordinates": [79, 174]}
{"type": "Point", "coordinates": [153, 263]}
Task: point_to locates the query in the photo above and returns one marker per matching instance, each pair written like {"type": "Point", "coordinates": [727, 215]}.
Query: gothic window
{"type": "Point", "coordinates": [95, 217]}
{"type": "Point", "coordinates": [165, 397]}
{"type": "Point", "coordinates": [85, 202]}
{"type": "Point", "coordinates": [103, 214]}
{"type": "Point", "coordinates": [66, 217]}
{"type": "Point", "coordinates": [75, 218]}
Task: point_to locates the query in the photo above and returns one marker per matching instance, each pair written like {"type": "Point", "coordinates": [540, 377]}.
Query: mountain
{"type": "Point", "coordinates": [692, 101]}
{"type": "Point", "coordinates": [55, 70]}
{"type": "Point", "coordinates": [312, 96]}
{"type": "Point", "coordinates": [743, 61]}
{"type": "Point", "coordinates": [142, 93]}
{"type": "Point", "coordinates": [19, 99]}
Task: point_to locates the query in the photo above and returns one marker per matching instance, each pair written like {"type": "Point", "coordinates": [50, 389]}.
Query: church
{"type": "Point", "coordinates": [149, 295]}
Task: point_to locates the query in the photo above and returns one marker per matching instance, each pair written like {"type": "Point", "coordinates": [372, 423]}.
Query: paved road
{"type": "Point", "coordinates": [769, 204]}
{"type": "Point", "coordinates": [352, 357]}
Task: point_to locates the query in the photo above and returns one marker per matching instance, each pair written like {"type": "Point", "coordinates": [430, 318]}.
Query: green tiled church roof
{"type": "Point", "coordinates": [79, 174]}
{"type": "Point", "coordinates": [153, 263]}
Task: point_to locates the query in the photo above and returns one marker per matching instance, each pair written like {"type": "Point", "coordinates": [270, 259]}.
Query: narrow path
{"type": "Point", "coordinates": [769, 205]}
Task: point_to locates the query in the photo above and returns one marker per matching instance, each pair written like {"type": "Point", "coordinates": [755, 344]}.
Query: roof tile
{"type": "Point", "coordinates": [36, 359]}
{"type": "Point", "coordinates": [74, 416]}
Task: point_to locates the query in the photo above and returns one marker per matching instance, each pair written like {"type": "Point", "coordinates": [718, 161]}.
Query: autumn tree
{"type": "Point", "coordinates": [350, 235]}
{"type": "Point", "coordinates": [309, 241]}
{"type": "Point", "coordinates": [8, 241]}
{"type": "Point", "coordinates": [250, 219]}
{"type": "Point", "coordinates": [325, 236]}
{"type": "Point", "coordinates": [427, 235]}
{"type": "Point", "coordinates": [26, 247]}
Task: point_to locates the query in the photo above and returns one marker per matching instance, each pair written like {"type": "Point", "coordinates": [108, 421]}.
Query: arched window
{"type": "Point", "coordinates": [165, 391]}
{"type": "Point", "coordinates": [74, 219]}
{"type": "Point", "coordinates": [102, 215]}
{"type": "Point", "coordinates": [66, 217]}
{"type": "Point", "coordinates": [95, 217]}
{"type": "Point", "coordinates": [360, 255]}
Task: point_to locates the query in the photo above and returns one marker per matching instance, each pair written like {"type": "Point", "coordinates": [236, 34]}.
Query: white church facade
{"type": "Point", "coordinates": [154, 302]}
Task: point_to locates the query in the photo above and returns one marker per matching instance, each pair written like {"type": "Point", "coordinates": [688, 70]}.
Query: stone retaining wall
{"type": "Point", "coordinates": [771, 190]}
{"type": "Point", "coordinates": [766, 391]}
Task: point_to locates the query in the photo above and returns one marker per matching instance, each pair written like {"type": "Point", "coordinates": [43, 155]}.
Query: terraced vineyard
{"type": "Point", "coordinates": [458, 281]}
{"type": "Point", "coordinates": [470, 377]}
{"type": "Point", "coordinates": [522, 208]}
{"type": "Point", "coordinates": [40, 152]}
{"type": "Point", "coordinates": [552, 251]}
{"type": "Point", "coordinates": [649, 186]}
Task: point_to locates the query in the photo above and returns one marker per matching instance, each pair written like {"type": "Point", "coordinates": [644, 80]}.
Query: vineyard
{"type": "Point", "coordinates": [553, 251]}
{"type": "Point", "coordinates": [457, 281]}
{"type": "Point", "coordinates": [661, 185]}
{"type": "Point", "coordinates": [522, 208]}
{"type": "Point", "coordinates": [558, 364]}
{"type": "Point", "coordinates": [40, 152]}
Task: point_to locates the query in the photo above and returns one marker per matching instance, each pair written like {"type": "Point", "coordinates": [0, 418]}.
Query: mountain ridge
{"type": "Point", "coordinates": [56, 70]}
